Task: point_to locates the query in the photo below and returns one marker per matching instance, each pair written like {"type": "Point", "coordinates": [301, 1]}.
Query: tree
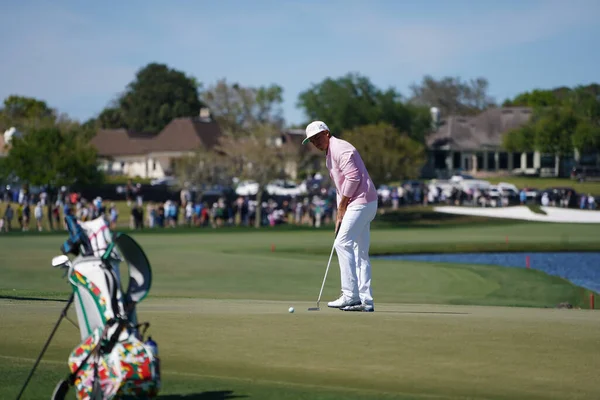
{"type": "Point", "coordinates": [49, 156]}
{"type": "Point", "coordinates": [156, 96]}
{"type": "Point", "coordinates": [24, 112]}
{"type": "Point", "coordinates": [257, 156]}
{"type": "Point", "coordinates": [238, 109]}
{"type": "Point", "coordinates": [553, 97]}
{"type": "Point", "coordinates": [352, 101]}
{"type": "Point", "coordinates": [111, 118]}
{"type": "Point", "coordinates": [519, 140]}
{"type": "Point", "coordinates": [453, 96]}
{"type": "Point", "coordinates": [203, 169]}
{"type": "Point", "coordinates": [250, 147]}
{"type": "Point", "coordinates": [554, 130]}
{"type": "Point", "coordinates": [563, 119]}
{"type": "Point", "coordinates": [535, 98]}
{"type": "Point", "coordinates": [586, 137]}
{"type": "Point", "coordinates": [387, 154]}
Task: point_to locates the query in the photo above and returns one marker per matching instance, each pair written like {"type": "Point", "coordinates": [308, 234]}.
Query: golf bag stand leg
{"type": "Point", "coordinates": [62, 315]}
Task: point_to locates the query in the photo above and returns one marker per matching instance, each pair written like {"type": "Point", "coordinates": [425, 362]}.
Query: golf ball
{"type": "Point", "coordinates": [291, 309]}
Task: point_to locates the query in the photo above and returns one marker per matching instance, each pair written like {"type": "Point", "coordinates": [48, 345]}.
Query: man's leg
{"type": "Point", "coordinates": [353, 223]}
{"type": "Point", "coordinates": [363, 266]}
{"type": "Point", "coordinates": [363, 263]}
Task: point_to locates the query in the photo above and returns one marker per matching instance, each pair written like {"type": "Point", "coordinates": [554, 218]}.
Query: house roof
{"type": "Point", "coordinates": [484, 130]}
{"type": "Point", "coordinates": [121, 142]}
{"type": "Point", "coordinates": [181, 134]}
{"type": "Point", "coordinates": [186, 134]}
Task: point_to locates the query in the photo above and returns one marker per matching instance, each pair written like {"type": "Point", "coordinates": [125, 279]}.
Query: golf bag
{"type": "Point", "coordinates": [112, 361]}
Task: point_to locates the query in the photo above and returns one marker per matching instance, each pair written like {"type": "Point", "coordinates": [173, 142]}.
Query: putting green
{"type": "Point", "coordinates": [258, 349]}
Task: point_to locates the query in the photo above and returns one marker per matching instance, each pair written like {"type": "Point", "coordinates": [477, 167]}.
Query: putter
{"type": "Point", "coordinates": [317, 308]}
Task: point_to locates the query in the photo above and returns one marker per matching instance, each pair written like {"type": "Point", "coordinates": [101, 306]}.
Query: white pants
{"type": "Point", "coordinates": [352, 247]}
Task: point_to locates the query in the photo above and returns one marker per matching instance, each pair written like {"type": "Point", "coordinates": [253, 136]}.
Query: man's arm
{"type": "Point", "coordinates": [352, 179]}
{"type": "Point", "coordinates": [351, 174]}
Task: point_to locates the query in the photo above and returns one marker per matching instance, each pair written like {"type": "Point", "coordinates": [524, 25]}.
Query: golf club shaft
{"type": "Point", "coordinates": [328, 263]}
{"type": "Point", "coordinates": [62, 315]}
{"type": "Point", "coordinates": [326, 271]}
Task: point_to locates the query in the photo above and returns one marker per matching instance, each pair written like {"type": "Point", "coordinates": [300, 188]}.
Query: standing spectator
{"type": "Point", "coordinates": [523, 197]}
{"type": "Point", "coordinates": [26, 216]}
{"type": "Point", "coordinates": [56, 213]}
{"type": "Point", "coordinates": [545, 199]}
{"type": "Point", "coordinates": [129, 192]}
{"type": "Point", "coordinates": [395, 198]}
{"type": "Point", "coordinates": [20, 216]}
{"type": "Point", "coordinates": [184, 195]}
{"type": "Point", "coordinates": [49, 209]}
{"type": "Point", "coordinates": [160, 220]}
{"type": "Point", "coordinates": [8, 217]}
{"type": "Point", "coordinates": [591, 202]}
{"type": "Point", "coordinates": [38, 214]}
{"type": "Point", "coordinates": [114, 216]}
{"type": "Point", "coordinates": [582, 201]}
{"type": "Point", "coordinates": [138, 196]}
{"type": "Point", "coordinates": [151, 212]}
{"type": "Point", "coordinates": [189, 213]}
{"type": "Point", "coordinates": [137, 214]}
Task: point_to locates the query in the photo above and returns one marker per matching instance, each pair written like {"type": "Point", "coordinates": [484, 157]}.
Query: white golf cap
{"type": "Point", "coordinates": [313, 128]}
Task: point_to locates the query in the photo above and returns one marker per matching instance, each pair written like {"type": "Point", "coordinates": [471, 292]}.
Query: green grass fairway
{"type": "Point", "coordinates": [218, 310]}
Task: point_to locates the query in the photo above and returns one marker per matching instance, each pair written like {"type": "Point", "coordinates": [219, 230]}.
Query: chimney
{"type": "Point", "coordinates": [435, 117]}
{"type": "Point", "coordinates": [205, 114]}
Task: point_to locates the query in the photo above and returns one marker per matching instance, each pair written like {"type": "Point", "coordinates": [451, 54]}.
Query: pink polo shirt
{"type": "Point", "coordinates": [348, 172]}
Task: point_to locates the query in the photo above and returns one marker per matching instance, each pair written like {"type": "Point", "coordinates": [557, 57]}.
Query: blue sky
{"type": "Point", "coordinates": [78, 55]}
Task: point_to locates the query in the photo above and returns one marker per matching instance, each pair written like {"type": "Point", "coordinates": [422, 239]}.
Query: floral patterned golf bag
{"type": "Point", "coordinates": [113, 361]}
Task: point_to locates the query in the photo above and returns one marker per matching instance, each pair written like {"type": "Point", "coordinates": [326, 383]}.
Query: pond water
{"type": "Point", "coordinates": [581, 268]}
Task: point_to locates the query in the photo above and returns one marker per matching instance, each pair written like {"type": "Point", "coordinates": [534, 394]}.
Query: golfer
{"type": "Point", "coordinates": [356, 208]}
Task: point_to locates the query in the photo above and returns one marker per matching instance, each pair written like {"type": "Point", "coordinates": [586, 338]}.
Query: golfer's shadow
{"type": "Point", "coordinates": [216, 395]}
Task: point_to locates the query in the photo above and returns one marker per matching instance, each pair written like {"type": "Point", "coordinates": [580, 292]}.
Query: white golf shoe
{"type": "Point", "coordinates": [343, 301]}
{"type": "Point", "coordinates": [360, 307]}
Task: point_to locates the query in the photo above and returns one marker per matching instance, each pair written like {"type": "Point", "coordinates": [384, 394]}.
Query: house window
{"type": "Point", "coordinates": [456, 160]}
{"type": "Point", "coordinates": [440, 159]}
{"type": "Point", "coordinates": [503, 160]}
{"type": "Point", "coordinates": [122, 165]}
{"type": "Point", "coordinates": [529, 163]}
{"type": "Point", "coordinates": [491, 159]}
{"type": "Point", "coordinates": [154, 165]}
{"type": "Point", "coordinates": [516, 160]}
{"type": "Point", "coordinates": [480, 164]}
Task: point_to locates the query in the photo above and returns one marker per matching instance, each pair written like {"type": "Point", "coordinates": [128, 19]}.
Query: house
{"type": "Point", "coordinates": [136, 154]}
{"type": "Point", "coordinates": [474, 145]}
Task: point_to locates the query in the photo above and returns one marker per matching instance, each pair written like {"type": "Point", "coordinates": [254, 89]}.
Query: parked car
{"type": "Point", "coordinates": [166, 181]}
{"type": "Point", "coordinates": [583, 173]}
{"type": "Point", "coordinates": [275, 188]}
{"type": "Point", "coordinates": [284, 188]}
{"type": "Point", "coordinates": [246, 188]}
